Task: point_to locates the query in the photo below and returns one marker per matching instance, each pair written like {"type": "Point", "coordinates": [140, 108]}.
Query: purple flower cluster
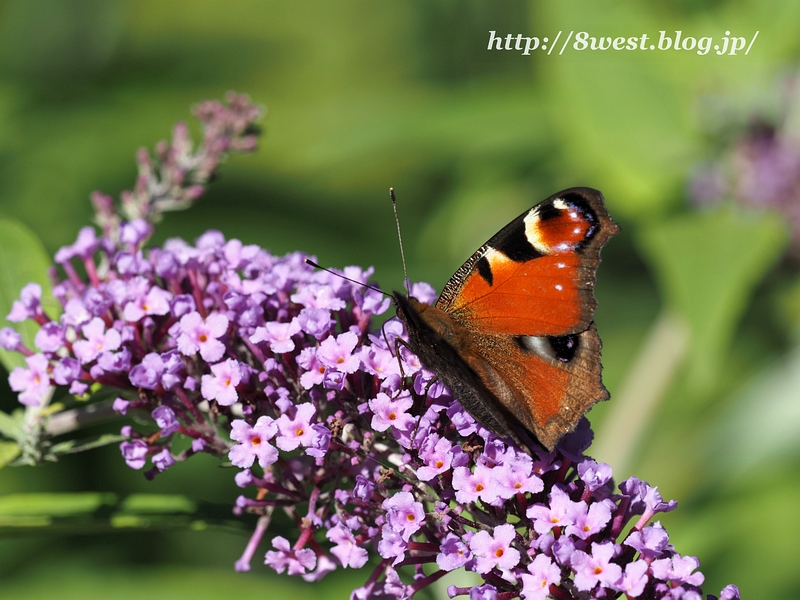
{"type": "Point", "coordinates": [761, 168]}
{"type": "Point", "coordinates": [221, 337]}
{"type": "Point", "coordinates": [278, 367]}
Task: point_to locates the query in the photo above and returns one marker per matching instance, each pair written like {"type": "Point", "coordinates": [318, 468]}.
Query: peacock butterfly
{"type": "Point", "coordinates": [512, 333]}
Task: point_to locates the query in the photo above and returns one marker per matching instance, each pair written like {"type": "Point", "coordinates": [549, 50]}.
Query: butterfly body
{"type": "Point", "coordinates": [512, 332]}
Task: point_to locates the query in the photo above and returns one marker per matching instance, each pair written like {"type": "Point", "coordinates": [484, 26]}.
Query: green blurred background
{"type": "Point", "coordinates": [697, 308]}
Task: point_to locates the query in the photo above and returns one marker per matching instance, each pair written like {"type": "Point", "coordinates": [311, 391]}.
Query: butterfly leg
{"type": "Point", "coordinates": [420, 400]}
{"type": "Point", "coordinates": [397, 343]}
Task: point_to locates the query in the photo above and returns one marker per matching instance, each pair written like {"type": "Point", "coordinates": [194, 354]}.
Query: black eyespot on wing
{"type": "Point", "coordinates": [564, 347]}
{"type": "Point", "coordinates": [561, 348]}
{"type": "Point", "coordinates": [580, 204]}
{"type": "Point", "coordinates": [514, 243]}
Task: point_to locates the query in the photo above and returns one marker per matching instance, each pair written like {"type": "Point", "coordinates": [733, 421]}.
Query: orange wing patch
{"type": "Point", "coordinates": [545, 296]}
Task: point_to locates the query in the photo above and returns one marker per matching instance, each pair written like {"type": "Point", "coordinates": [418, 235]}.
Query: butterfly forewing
{"type": "Point", "coordinates": [536, 276]}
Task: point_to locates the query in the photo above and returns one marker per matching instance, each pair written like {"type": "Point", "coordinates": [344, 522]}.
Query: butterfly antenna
{"type": "Point", "coordinates": [406, 281]}
{"type": "Point", "coordinates": [332, 272]}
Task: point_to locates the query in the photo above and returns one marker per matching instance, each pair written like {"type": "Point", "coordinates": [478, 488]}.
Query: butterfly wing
{"type": "Point", "coordinates": [512, 333]}
{"type": "Point", "coordinates": [451, 352]}
{"type": "Point", "coordinates": [546, 383]}
{"type": "Point", "coordinates": [536, 276]}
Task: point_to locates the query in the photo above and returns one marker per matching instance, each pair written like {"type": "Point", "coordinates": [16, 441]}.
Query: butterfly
{"type": "Point", "coordinates": [512, 333]}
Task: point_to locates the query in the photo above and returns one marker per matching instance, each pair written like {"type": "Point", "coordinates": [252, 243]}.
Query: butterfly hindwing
{"type": "Point", "coordinates": [547, 383]}
{"type": "Point", "coordinates": [451, 352]}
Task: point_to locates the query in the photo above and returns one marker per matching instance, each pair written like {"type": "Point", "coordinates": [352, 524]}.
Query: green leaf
{"type": "Point", "coordinates": [123, 521]}
{"type": "Point", "coordinates": [11, 426]}
{"type": "Point", "coordinates": [53, 505]}
{"type": "Point", "coordinates": [23, 260]}
{"type": "Point", "coordinates": [75, 446]}
{"type": "Point", "coordinates": [760, 427]}
{"type": "Point", "coordinates": [707, 266]}
{"type": "Point", "coordinates": [8, 452]}
{"type": "Point", "coordinates": [50, 410]}
{"type": "Point", "coordinates": [157, 503]}
{"type": "Point", "coordinates": [25, 521]}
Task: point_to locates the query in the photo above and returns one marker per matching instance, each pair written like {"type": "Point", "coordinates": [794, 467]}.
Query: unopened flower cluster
{"type": "Point", "coordinates": [281, 370]}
